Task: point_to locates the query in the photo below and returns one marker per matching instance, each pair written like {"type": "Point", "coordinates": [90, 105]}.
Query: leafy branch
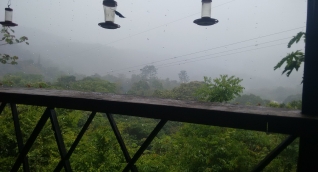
{"type": "Point", "coordinates": [9, 39]}
{"type": "Point", "coordinates": [5, 58]}
{"type": "Point", "coordinates": [220, 89]}
{"type": "Point", "coordinates": [297, 38]}
{"type": "Point", "coordinates": [294, 59]}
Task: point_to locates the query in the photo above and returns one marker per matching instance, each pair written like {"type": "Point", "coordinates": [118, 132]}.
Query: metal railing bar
{"type": "Point", "coordinates": [77, 140]}
{"type": "Point", "coordinates": [120, 140]}
{"type": "Point", "coordinates": [30, 141]}
{"type": "Point", "coordinates": [18, 135]}
{"type": "Point", "coordinates": [145, 145]}
{"type": "Point", "coordinates": [59, 140]}
{"type": "Point", "coordinates": [2, 106]}
{"type": "Point", "coordinates": [274, 153]}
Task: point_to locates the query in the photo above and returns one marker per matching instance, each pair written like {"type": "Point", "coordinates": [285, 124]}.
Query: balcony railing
{"type": "Point", "coordinates": [264, 119]}
{"type": "Point", "coordinates": [273, 120]}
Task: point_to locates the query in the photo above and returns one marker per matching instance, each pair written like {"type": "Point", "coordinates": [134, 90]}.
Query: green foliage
{"type": "Point", "coordinates": [140, 88]}
{"type": "Point", "coordinates": [146, 87]}
{"type": "Point", "coordinates": [91, 84]}
{"type": "Point", "coordinates": [297, 38]}
{"type": "Point", "coordinates": [274, 104]}
{"type": "Point", "coordinates": [292, 98]}
{"type": "Point", "coordinates": [9, 39]}
{"type": "Point", "coordinates": [94, 85]}
{"type": "Point", "coordinates": [178, 147]}
{"type": "Point", "coordinates": [148, 71]}
{"type": "Point", "coordinates": [98, 150]}
{"type": "Point", "coordinates": [221, 89]}
{"type": "Point", "coordinates": [250, 100]}
{"type": "Point", "coordinates": [24, 80]}
{"type": "Point", "coordinates": [207, 148]}
{"type": "Point", "coordinates": [65, 81]}
{"type": "Point", "coordinates": [155, 84]}
{"type": "Point", "coordinates": [5, 58]}
{"type": "Point", "coordinates": [185, 91]}
{"type": "Point", "coordinates": [169, 84]}
{"type": "Point", "coordinates": [183, 76]}
{"type": "Point", "coordinates": [297, 104]}
{"type": "Point", "coordinates": [291, 105]}
{"type": "Point", "coordinates": [293, 60]}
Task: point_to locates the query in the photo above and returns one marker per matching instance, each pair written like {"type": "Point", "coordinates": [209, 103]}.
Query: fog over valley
{"type": "Point", "coordinates": [158, 85]}
{"type": "Point", "coordinates": [249, 40]}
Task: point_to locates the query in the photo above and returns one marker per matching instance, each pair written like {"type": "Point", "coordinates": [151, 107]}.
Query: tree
{"type": "Point", "coordinates": [292, 98]}
{"type": "Point", "coordinates": [148, 71]}
{"type": "Point", "coordinates": [94, 85]}
{"type": "Point", "coordinates": [250, 100]}
{"type": "Point", "coordinates": [65, 81]}
{"type": "Point", "coordinates": [185, 91]}
{"type": "Point", "coordinates": [221, 89]}
{"type": "Point", "coordinates": [183, 76]}
{"type": "Point", "coordinates": [140, 88]}
{"type": "Point", "coordinates": [155, 83]}
{"type": "Point", "coordinates": [294, 59]}
{"type": "Point", "coordinates": [23, 80]}
{"type": "Point", "coordinates": [10, 39]}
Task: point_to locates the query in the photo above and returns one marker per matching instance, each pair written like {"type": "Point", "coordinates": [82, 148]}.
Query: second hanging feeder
{"type": "Point", "coordinates": [206, 19]}
{"type": "Point", "coordinates": [109, 12]}
{"type": "Point", "coordinates": [8, 18]}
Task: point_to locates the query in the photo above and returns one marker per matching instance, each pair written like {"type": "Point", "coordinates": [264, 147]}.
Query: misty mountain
{"type": "Point", "coordinates": [57, 53]}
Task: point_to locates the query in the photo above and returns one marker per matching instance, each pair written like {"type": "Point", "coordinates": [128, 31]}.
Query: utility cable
{"type": "Point", "coordinates": [172, 58]}
{"type": "Point", "coordinates": [228, 51]}
{"type": "Point", "coordinates": [218, 56]}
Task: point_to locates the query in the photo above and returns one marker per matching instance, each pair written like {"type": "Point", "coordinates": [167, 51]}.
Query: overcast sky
{"type": "Point", "coordinates": [163, 30]}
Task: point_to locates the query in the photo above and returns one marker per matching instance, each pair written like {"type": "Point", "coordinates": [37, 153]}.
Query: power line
{"type": "Point", "coordinates": [228, 50]}
{"type": "Point", "coordinates": [239, 42]}
{"type": "Point", "coordinates": [223, 55]}
{"type": "Point", "coordinates": [172, 58]}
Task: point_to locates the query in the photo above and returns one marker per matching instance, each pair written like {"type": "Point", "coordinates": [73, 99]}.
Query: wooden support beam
{"type": "Point", "coordinates": [260, 167]}
{"type": "Point", "coordinates": [39, 126]}
{"type": "Point", "coordinates": [59, 139]}
{"type": "Point", "coordinates": [2, 106]}
{"type": "Point", "coordinates": [266, 119]}
{"type": "Point", "coordinates": [308, 144]}
{"type": "Point", "coordinates": [310, 82]}
{"type": "Point", "coordinates": [144, 146]}
{"type": "Point", "coordinates": [18, 135]}
{"type": "Point", "coordinates": [77, 140]}
{"type": "Point", "coordinates": [308, 154]}
{"type": "Point", "coordinates": [120, 140]}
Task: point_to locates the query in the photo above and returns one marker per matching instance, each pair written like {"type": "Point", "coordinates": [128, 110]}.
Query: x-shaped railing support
{"type": "Point", "coordinates": [64, 162]}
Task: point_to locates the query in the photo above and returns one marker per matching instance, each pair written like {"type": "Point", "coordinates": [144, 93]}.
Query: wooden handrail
{"type": "Point", "coordinates": [276, 120]}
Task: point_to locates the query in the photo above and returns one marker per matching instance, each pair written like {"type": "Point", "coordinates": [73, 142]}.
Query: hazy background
{"type": "Point", "coordinates": [162, 33]}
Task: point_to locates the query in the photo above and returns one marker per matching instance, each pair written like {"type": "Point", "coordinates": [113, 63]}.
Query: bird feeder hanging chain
{"type": "Point", "coordinates": [9, 3]}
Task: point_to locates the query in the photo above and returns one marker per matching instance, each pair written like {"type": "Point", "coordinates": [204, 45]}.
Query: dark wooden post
{"type": "Point", "coordinates": [308, 145]}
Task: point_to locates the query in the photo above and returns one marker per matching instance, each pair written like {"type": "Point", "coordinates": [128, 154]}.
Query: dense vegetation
{"type": "Point", "coordinates": [178, 147]}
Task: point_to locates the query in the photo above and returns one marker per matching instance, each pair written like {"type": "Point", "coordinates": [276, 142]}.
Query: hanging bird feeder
{"type": "Point", "coordinates": [109, 12]}
{"type": "Point", "coordinates": [8, 18]}
{"type": "Point", "coordinates": [206, 19]}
